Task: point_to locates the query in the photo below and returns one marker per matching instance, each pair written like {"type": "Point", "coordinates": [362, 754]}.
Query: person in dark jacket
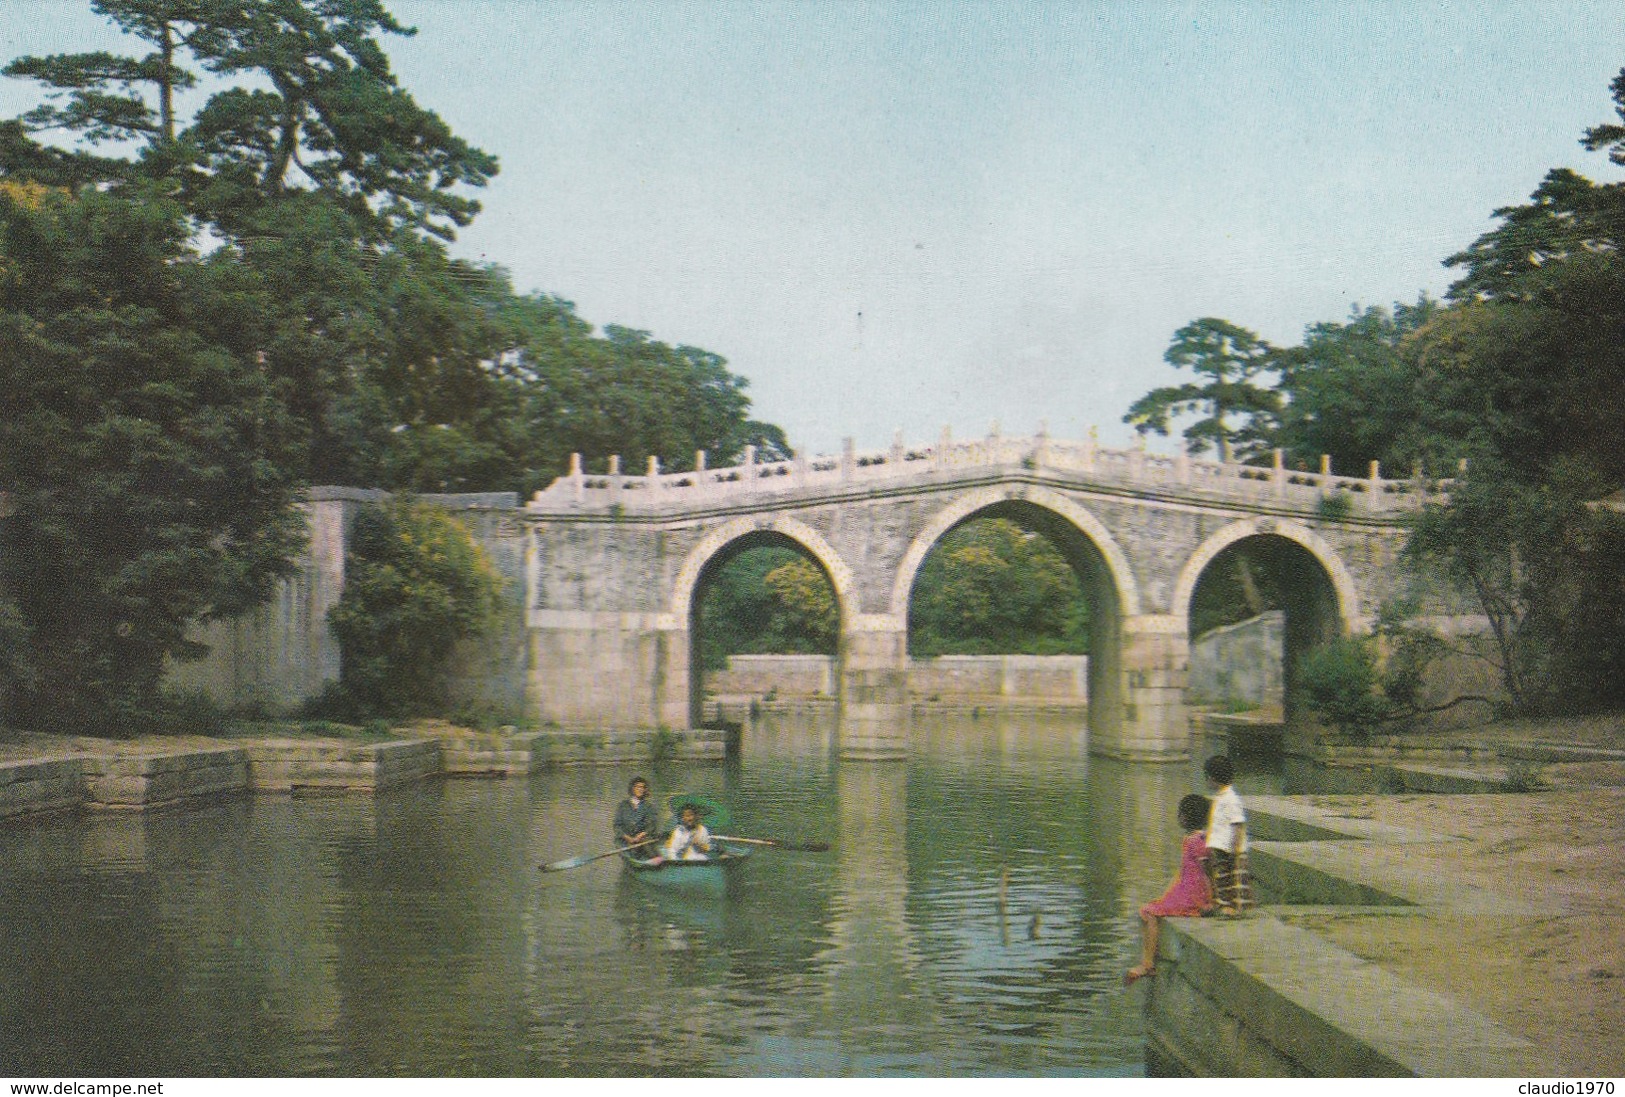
{"type": "Point", "coordinates": [635, 817]}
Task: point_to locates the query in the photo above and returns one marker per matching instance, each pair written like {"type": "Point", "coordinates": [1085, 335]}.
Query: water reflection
{"type": "Point", "coordinates": [972, 918]}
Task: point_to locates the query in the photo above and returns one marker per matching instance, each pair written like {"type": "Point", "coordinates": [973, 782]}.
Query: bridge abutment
{"type": "Point", "coordinates": [1147, 720]}
{"type": "Point", "coordinates": [602, 670]}
{"type": "Point", "coordinates": [874, 708]}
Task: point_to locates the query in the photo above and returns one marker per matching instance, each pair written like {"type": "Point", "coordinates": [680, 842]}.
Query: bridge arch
{"type": "Point", "coordinates": [721, 545]}
{"type": "Point", "coordinates": [719, 539]}
{"type": "Point", "coordinates": [1348, 597]}
{"type": "Point", "coordinates": [1313, 588]}
{"type": "Point", "coordinates": [1126, 591]}
{"type": "Point", "coordinates": [1098, 560]}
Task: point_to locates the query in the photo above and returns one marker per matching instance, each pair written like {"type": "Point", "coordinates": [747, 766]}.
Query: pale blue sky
{"type": "Point", "coordinates": [909, 215]}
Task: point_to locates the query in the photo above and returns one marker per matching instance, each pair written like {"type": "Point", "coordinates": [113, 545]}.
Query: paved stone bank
{"type": "Point", "coordinates": [1255, 996]}
{"type": "Point", "coordinates": [154, 779]}
{"type": "Point", "coordinates": [493, 755]}
{"type": "Point", "coordinates": [604, 748]}
{"type": "Point", "coordinates": [143, 781]}
{"type": "Point", "coordinates": [1446, 779]}
{"type": "Point", "coordinates": [37, 787]}
{"type": "Point", "coordinates": [282, 765]}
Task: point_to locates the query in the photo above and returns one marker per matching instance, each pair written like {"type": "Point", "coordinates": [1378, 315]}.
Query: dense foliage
{"type": "Point", "coordinates": [988, 587]}
{"type": "Point", "coordinates": [991, 587]}
{"type": "Point", "coordinates": [148, 461]}
{"type": "Point", "coordinates": [767, 599]}
{"type": "Point", "coordinates": [1235, 408]}
{"type": "Point", "coordinates": [223, 276]}
{"type": "Point", "coordinates": [415, 585]}
{"type": "Point", "coordinates": [1521, 374]}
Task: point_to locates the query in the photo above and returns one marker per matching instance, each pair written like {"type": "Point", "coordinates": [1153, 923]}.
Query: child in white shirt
{"type": "Point", "coordinates": [689, 840]}
{"type": "Point", "coordinates": [1227, 839]}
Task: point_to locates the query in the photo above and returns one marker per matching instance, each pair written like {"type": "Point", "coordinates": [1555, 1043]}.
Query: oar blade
{"type": "Point", "coordinates": [776, 843]}
{"type": "Point", "coordinates": [568, 862]}
{"type": "Point", "coordinates": [589, 858]}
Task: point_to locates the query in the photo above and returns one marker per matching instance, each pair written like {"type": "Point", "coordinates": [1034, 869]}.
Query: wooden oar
{"type": "Point", "coordinates": [588, 858]}
{"type": "Point", "coordinates": [801, 847]}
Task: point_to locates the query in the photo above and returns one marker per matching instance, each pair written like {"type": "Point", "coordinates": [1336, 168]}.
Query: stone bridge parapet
{"type": "Point", "coordinates": [1135, 469]}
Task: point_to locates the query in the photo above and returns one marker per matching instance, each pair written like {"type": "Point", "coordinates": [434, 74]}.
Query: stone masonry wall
{"type": "Point", "coordinates": [283, 654]}
{"type": "Point", "coordinates": [1240, 663]}
{"type": "Point", "coordinates": [1046, 677]}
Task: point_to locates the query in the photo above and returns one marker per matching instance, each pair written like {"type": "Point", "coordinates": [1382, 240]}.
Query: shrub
{"type": "Point", "coordinates": [415, 585]}
{"type": "Point", "coordinates": [1339, 683]}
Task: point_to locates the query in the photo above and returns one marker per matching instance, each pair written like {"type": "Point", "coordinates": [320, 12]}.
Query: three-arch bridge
{"type": "Point", "coordinates": [616, 565]}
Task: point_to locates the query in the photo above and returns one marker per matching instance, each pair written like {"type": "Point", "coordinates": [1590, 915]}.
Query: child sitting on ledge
{"type": "Point", "coordinates": [1188, 896]}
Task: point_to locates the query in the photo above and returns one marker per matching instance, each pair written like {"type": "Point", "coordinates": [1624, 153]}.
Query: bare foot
{"type": "Point", "coordinates": [1135, 974]}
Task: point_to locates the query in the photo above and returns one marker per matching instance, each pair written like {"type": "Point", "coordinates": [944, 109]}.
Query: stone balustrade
{"type": "Point", "coordinates": [1085, 461]}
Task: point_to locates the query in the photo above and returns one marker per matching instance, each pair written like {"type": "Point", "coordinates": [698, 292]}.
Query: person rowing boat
{"type": "Point", "coordinates": [636, 821]}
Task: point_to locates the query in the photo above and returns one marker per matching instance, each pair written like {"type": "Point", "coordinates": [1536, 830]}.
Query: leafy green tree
{"type": "Point", "coordinates": [1235, 408]}
{"type": "Point", "coordinates": [326, 337]}
{"type": "Point", "coordinates": [1361, 684]}
{"type": "Point", "coordinates": [1365, 391]}
{"type": "Point", "coordinates": [147, 462]}
{"type": "Point", "coordinates": [627, 393]}
{"type": "Point", "coordinates": [1545, 568]}
{"type": "Point", "coordinates": [415, 585]}
{"type": "Point", "coordinates": [331, 188]}
{"type": "Point", "coordinates": [806, 608]}
{"type": "Point", "coordinates": [1240, 584]}
{"type": "Point", "coordinates": [1340, 683]}
{"type": "Point", "coordinates": [1535, 348]}
{"type": "Point", "coordinates": [305, 100]}
{"type": "Point", "coordinates": [991, 587]}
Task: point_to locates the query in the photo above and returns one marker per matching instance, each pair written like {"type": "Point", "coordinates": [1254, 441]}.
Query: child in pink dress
{"type": "Point", "coordinates": [1188, 896]}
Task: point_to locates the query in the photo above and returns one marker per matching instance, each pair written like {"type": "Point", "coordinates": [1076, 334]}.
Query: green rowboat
{"type": "Point", "coordinates": [707, 875]}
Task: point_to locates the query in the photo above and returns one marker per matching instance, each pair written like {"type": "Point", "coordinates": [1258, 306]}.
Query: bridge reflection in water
{"type": "Point", "coordinates": [973, 918]}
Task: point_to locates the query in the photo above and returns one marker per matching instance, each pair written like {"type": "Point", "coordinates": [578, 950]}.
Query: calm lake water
{"type": "Point", "coordinates": [974, 917]}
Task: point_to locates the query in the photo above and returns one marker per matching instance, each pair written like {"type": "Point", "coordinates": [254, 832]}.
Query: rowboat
{"type": "Point", "coordinates": [707, 875]}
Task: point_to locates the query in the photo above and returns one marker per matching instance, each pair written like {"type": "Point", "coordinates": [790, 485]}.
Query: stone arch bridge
{"type": "Point", "coordinates": [615, 564]}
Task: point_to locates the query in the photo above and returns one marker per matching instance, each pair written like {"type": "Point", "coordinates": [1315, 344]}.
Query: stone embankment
{"type": "Point", "coordinates": [1456, 916]}
{"type": "Point", "coordinates": [108, 775]}
{"type": "Point", "coordinates": [1258, 996]}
